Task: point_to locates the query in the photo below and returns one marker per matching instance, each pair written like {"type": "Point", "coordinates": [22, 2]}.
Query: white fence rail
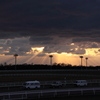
{"type": "Point", "coordinates": [48, 93]}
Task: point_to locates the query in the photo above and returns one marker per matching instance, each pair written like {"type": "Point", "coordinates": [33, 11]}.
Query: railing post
{"type": "Point", "coordinates": [3, 97]}
{"type": "Point", "coordinates": [41, 93]}
{"type": "Point", "coordinates": [55, 93]}
{"type": "Point", "coordinates": [81, 92]}
{"type": "Point", "coordinates": [68, 92]}
{"type": "Point", "coordinates": [26, 95]}
{"type": "Point", "coordinates": [22, 96]}
{"type": "Point", "coordinates": [93, 91]}
{"type": "Point", "coordinates": [9, 95]}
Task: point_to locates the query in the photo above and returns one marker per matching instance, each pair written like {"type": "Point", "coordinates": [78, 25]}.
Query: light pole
{"type": "Point", "coordinates": [81, 61]}
{"type": "Point", "coordinates": [51, 60]}
{"type": "Point", "coordinates": [86, 61]}
{"type": "Point", "coordinates": [15, 55]}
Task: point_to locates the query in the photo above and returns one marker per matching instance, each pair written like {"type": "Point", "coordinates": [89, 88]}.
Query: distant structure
{"type": "Point", "coordinates": [81, 59]}
{"type": "Point", "coordinates": [15, 55]}
{"type": "Point", "coordinates": [86, 61]}
{"type": "Point", "coordinates": [50, 59]}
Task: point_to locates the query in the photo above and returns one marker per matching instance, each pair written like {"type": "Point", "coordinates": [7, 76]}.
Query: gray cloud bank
{"type": "Point", "coordinates": [50, 22]}
{"type": "Point", "coordinates": [70, 18]}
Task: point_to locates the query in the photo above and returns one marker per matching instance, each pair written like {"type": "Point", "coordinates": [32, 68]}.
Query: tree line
{"type": "Point", "coordinates": [40, 66]}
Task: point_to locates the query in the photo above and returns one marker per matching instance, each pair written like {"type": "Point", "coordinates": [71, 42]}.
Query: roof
{"type": "Point", "coordinates": [32, 82]}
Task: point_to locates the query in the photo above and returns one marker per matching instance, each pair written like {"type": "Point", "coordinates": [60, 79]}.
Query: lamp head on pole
{"type": "Point", "coordinates": [81, 56]}
{"type": "Point", "coordinates": [15, 55]}
{"type": "Point", "coordinates": [86, 58]}
{"type": "Point", "coordinates": [50, 56]}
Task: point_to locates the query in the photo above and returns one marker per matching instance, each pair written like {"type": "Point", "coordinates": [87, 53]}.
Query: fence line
{"type": "Point", "coordinates": [48, 93]}
{"type": "Point", "coordinates": [50, 70]}
{"type": "Point", "coordinates": [49, 74]}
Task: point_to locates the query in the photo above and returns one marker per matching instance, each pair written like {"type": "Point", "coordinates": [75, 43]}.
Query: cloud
{"type": "Point", "coordinates": [29, 18]}
{"type": "Point", "coordinates": [18, 45]}
{"type": "Point", "coordinates": [41, 55]}
{"type": "Point", "coordinates": [53, 24]}
{"type": "Point", "coordinates": [87, 42]}
{"type": "Point", "coordinates": [47, 40]}
{"type": "Point", "coordinates": [59, 48]}
{"type": "Point", "coordinates": [8, 41]}
{"type": "Point", "coordinates": [86, 39]}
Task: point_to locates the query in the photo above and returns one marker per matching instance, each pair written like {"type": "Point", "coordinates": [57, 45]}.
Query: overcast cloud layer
{"type": "Point", "coordinates": [54, 24]}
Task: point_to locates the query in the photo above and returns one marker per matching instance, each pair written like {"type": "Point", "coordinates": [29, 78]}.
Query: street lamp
{"type": "Point", "coordinates": [81, 60]}
{"type": "Point", "coordinates": [15, 55]}
{"type": "Point", "coordinates": [86, 61]}
{"type": "Point", "coordinates": [50, 59]}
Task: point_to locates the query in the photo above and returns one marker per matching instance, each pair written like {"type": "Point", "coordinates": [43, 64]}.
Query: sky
{"type": "Point", "coordinates": [35, 29]}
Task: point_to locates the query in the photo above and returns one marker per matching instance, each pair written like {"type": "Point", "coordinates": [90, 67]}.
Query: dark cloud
{"type": "Point", "coordinates": [18, 45]}
{"type": "Point", "coordinates": [29, 17]}
{"type": "Point", "coordinates": [60, 49]}
{"type": "Point", "coordinates": [41, 55]}
{"type": "Point", "coordinates": [50, 23]}
{"type": "Point", "coordinates": [86, 40]}
{"type": "Point", "coordinates": [40, 40]}
{"type": "Point", "coordinates": [78, 51]}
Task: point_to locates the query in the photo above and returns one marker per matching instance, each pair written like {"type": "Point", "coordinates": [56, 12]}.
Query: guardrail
{"type": "Point", "coordinates": [48, 94]}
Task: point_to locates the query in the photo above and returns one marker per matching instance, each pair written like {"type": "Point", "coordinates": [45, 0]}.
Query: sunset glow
{"type": "Point", "coordinates": [57, 58]}
{"type": "Point", "coordinates": [39, 49]}
{"type": "Point", "coordinates": [36, 56]}
{"type": "Point", "coordinates": [92, 51]}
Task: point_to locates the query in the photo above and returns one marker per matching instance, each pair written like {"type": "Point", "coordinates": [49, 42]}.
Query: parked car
{"type": "Point", "coordinates": [81, 83]}
{"type": "Point", "coordinates": [31, 84]}
{"type": "Point", "coordinates": [56, 84]}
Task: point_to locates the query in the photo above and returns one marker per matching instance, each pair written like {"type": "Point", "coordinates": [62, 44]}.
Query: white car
{"type": "Point", "coordinates": [81, 83]}
{"type": "Point", "coordinates": [31, 84]}
{"type": "Point", "coordinates": [56, 84]}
